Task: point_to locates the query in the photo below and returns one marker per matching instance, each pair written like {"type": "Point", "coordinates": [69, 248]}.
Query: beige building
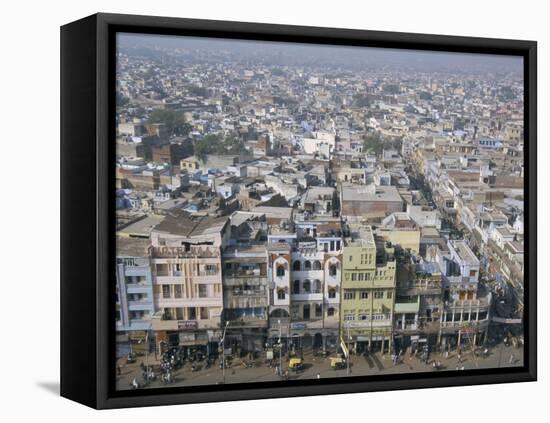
{"type": "Point", "coordinates": [187, 279]}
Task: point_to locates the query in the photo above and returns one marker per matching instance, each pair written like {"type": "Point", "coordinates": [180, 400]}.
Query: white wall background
{"type": "Point", "coordinates": [29, 102]}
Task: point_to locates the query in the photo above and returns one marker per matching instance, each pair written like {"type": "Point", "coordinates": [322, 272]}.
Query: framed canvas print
{"type": "Point", "coordinates": [254, 211]}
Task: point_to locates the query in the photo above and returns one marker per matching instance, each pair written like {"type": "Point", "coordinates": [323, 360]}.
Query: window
{"type": "Point", "coordinates": [364, 295]}
{"type": "Point", "coordinates": [349, 295]}
{"type": "Point", "coordinates": [307, 286]}
{"type": "Point", "coordinates": [204, 313]}
{"type": "Point", "coordinates": [165, 291]}
{"type": "Point", "coordinates": [203, 291]}
{"type": "Point", "coordinates": [179, 314]}
{"type": "Point", "coordinates": [378, 294]}
{"type": "Point", "coordinates": [316, 286]}
{"type": "Point", "coordinates": [389, 295]}
{"type": "Point", "coordinates": [318, 310]}
{"type": "Point", "coordinates": [354, 276]}
{"type": "Point", "coordinates": [162, 269]}
{"type": "Point", "coordinates": [330, 311]}
{"type": "Point", "coordinates": [280, 294]}
{"type": "Point", "coordinates": [332, 293]}
{"type": "Point", "coordinates": [296, 266]}
{"type": "Point", "coordinates": [316, 265]}
{"type": "Point", "coordinates": [363, 316]}
{"type": "Point", "coordinates": [350, 258]}
{"type": "Point", "coordinates": [210, 269]}
{"type": "Point", "coordinates": [338, 244]}
{"type": "Point", "coordinates": [349, 316]}
{"type": "Point", "coordinates": [296, 287]}
{"type": "Point", "coordinates": [280, 270]}
{"type": "Point", "coordinates": [332, 270]}
{"type": "Point", "coordinates": [473, 273]}
{"type": "Point", "coordinates": [177, 291]}
{"type": "Point", "coordinates": [307, 265]}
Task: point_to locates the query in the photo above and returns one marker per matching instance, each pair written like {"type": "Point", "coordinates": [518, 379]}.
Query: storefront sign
{"type": "Point", "coordinates": [187, 324]}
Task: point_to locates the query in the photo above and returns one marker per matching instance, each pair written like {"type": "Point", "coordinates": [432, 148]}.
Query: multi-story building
{"type": "Point", "coordinates": [134, 288]}
{"type": "Point", "coordinates": [315, 281]}
{"type": "Point", "coordinates": [246, 296]}
{"type": "Point", "coordinates": [418, 304]}
{"type": "Point", "coordinates": [465, 316]}
{"type": "Point", "coordinates": [187, 279]}
{"type": "Point", "coordinates": [368, 290]}
{"type": "Point", "coordinates": [279, 258]}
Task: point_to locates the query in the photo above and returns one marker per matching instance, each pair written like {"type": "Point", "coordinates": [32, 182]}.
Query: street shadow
{"type": "Point", "coordinates": [51, 387]}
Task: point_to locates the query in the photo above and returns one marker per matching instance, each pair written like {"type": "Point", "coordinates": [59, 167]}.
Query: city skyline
{"type": "Point", "coordinates": [301, 211]}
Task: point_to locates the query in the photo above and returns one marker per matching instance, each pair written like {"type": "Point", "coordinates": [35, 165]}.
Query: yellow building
{"type": "Point", "coordinates": [368, 291]}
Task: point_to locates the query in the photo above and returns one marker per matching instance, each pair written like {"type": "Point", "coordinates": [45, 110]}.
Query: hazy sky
{"type": "Point", "coordinates": [314, 54]}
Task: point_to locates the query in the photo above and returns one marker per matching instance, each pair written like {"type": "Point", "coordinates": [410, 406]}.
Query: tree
{"type": "Point", "coordinates": [121, 99]}
{"type": "Point", "coordinates": [424, 95]}
{"type": "Point", "coordinates": [197, 91]}
{"type": "Point", "coordinates": [173, 120]}
{"type": "Point", "coordinates": [391, 89]}
{"type": "Point", "coordinates": [373, 143]}
{"type": "Point", "coordinates": [360, 100]}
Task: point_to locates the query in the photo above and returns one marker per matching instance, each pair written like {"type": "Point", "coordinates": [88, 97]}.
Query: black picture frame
{"type": "Point", "coordinates": [87, 208]}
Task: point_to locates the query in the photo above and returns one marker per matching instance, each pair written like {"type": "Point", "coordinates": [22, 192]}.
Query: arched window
{"type": "Point", "coordinates": [280, 294]}
{"type": "Point", "coordinates": [333, 269]}
{"type": "Point", "coordinates": [330, 311]}
{"type": "Point", "coordinates": [307, 286]}
{"type": "Point", "coordinates": [332, 293]}
{"type": "Point", "coordinates": [296, 287]}
{"type": "Point", "coordinates": [307, 265]}
{"type": "Point", "coordinates": [297, 266]}
{"type": "Point", "coordinates": [280, 270]}
{"type": "Point", "coordinates": [316, 286]}
{"type": "Point", "coordinates": [316, 265]}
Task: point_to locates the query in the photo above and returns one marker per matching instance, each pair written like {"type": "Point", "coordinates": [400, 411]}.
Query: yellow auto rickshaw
{"type": "Point", "coordinates": [337, 363]}
{"type": "Point", "coordinates": [296, 364]}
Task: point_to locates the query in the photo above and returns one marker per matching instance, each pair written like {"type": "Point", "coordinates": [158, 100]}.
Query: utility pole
{"type": "Point", "coordinates": [223, 351]}
{"type": "Point", "coordinates": [280, 348]}
{"type": "Point", "coordinates": [349, 352]}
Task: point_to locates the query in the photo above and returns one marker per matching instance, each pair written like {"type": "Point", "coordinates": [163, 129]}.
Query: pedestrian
{"type": "Point", "coordinates": [118, 370]}
{"type": "Point", "coordinates": [512, 359]}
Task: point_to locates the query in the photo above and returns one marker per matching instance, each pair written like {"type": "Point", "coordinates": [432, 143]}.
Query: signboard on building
{"type": "Point", "coordinates": [187, 324]}
{"type": "Point", "coordinates": [298, 326]}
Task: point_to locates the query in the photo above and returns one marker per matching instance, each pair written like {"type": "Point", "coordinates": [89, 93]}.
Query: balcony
{"type": "Point", "coordinates": [137, 271]}
{"type": "Point", "coordinates": [138, 288]}
{"type": "Point", "coordinates": [244, 280]}
{"type": "Point", "coordinates": [143, 304]}
{"type": "Point", "coordinates": [307, 296]}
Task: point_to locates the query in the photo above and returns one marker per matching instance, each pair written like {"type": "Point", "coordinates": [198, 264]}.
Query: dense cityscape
{"type": "Point", "coordinates": [307, 212]}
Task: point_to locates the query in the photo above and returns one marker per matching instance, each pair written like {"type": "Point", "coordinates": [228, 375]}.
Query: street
{"type": "Point", "coordinates": [374, 364]}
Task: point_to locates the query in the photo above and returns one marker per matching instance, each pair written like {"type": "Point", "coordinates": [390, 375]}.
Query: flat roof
{"type": "Point", "coordinates": [131, 247]}
{"type": "Point", "coordinates": [368, 194]}
{"type": "Point", "coordinates": [141, 227]}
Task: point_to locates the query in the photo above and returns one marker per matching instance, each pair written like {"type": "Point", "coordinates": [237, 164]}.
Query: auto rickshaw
{"type": "Point", "coordinates": [337, 363]}
{"type": "Point", "coordinates": [296, 364]}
